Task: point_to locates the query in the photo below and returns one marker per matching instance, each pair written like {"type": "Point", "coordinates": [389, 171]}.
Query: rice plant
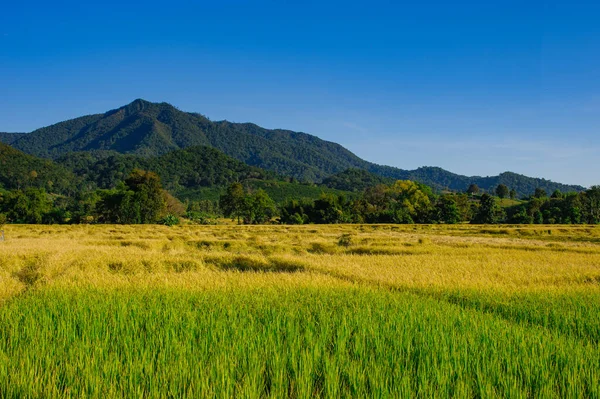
{"type": "Point", "coordinates": [299, 311]}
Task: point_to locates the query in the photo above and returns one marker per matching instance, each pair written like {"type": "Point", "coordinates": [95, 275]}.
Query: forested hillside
{"type": "Point", "coordinates": [356, 180]}
{"type": "Point", "coordinates": [187, 168]}
{"type": "Point", "coordinates": [196, 173]}
{"type": "Point", "coordinates": [20, 170]}
{"type": "Point", "coordinates": [441, 179]}
{"type": "Point", "coordinates": [153, 129]}
{"type": "Point", "coordinates": [9, 138]}
{"type": "Point", "coordinates": [108, 187]}
{"type": "Point", "coordinates": [148, 129]}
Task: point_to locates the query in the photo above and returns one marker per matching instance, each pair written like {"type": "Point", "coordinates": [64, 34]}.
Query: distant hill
{"type": "Point", "coordinates": [441, 179]}
{"type": "Point", "coordinates": [196, 173]}
{"type": "Point", "coordinates": [19, 170]}
{"type": "Point", "coordinates": [192, 173]}
{"type": "Point", "coordinates": [191, 167]}
{"type": "Point", "coordinates": [154, 129]}
{"type": "Point", "coordinates": [356, 180]}
{"type": "Point", "coordinates": [9, 138]}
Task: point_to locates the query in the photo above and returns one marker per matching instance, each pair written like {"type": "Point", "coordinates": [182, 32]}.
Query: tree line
{"type": "Point", "coordinates": [140, 198]}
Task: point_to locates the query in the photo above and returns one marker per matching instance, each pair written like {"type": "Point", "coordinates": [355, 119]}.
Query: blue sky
{"type": "Point", "coordinates": [474, 87]}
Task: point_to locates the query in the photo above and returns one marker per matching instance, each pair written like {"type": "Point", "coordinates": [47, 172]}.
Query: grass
{"type": "Point", "coordinates": [300, 311]}
{"type": "Point", "coordinates": [508, 202]}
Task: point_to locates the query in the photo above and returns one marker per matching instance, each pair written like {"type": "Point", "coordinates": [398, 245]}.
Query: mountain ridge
{"type": "Point", "coordinates": [153, 129]}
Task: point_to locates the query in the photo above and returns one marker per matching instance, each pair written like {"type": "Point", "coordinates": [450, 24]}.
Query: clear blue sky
{"type": "Point", "coordinates": [475, 87]}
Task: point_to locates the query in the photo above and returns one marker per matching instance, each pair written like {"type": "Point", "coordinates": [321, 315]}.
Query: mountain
{"type": "Point", "coordinates": [441, 179]}
{"type": "Point", "coordinates": [19, 170]}
{"type": "Point", "coordinates": [192, 167]}
{"type": "Point", "coordinates": [9, 138]}
{"type": "Point", "coordinates": [154, 129]}
{"type": "Point", "coordinates": [356, 180]}
{"type": "Point", "coordinates": [196, 173]}
{"type": "Point", "coordinates": [149, 129]}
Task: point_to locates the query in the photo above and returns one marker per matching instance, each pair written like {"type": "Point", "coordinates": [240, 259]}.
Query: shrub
{"type": "Point", "coordinates": [201, 217]}
{"type": "Point", "coordinates": [170, 220]}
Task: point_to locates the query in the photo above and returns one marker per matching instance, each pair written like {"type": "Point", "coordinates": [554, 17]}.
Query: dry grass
{"type": "Point", "coordinates": [421, 257]}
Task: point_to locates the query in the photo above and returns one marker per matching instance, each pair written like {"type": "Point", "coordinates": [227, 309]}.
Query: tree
{"type": "Point", "coordinates": [233, 201]}
{"type": "Point", "coordinates": [116, 206]}
{"type": "Point", "coordinates": [591, 201]}
{"type": "Point", "coordinates": [513, 194]}
{"type": "Point", "coordinates": [473, 189]}
{"type": "Point", "coordinates": [140, 199]}
{"type": "Point", "coordinates": [29, 206]}
{"type": "Point", "coordinates": [294, 212]}
{"type": "Point", "coordinates": [410, 200]}
{"type": "Point", "coordinates": [502, 191]}
{"type": "Point", "coordinates": [148, 195]}
{"type": "Point", "coordinates": [520, 216]}
{"type": "Point", "coordinates": [329, 208]}
{"type": "Point", "coordinates": [489, 212]}
{"type": "Point", "coordinates": [447, 210]}
{"type": "Point", "coordinates": [540, 193]}
{"type": "Point", "coordinates": [259, 208]}
{"type": "Point", "coordinates": [465, 206]}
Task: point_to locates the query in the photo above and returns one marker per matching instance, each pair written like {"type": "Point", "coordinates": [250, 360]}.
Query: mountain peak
{"type": "Point", "coordinates": [137, 105]}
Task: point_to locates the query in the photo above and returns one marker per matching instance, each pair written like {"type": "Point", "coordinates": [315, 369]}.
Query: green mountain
{"type": "Point", "coordinates": [19, 170]}
{"type": "Point", "coordinates": [192, 167]}
{"type": "Point", "coordinates": [356, 180]}
{"type": "Point", "coordinates": [9, 138]}
{"type": "Point", "coordinates": [196, 173]}
{"type": "Point", "coordinates": [149, 129]}
{"type": "Point", "coordinates": [154, 129]}
{"type": "Point", "coordinates": [441, 180]}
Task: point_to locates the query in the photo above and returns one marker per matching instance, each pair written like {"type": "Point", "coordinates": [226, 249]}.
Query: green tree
{"type": "Point", "coordinates": [540, 193]}
{"type": "Point", "coordinates": [447, 210]}
{"type": "Point", "coordinates": [294, 212]}
{"type": "Point", "coordinates": [140, 199]}
{"type": "Point", "coordinates": [521, 216]}
{"type": "Point", "coordinates": [502, 191]}
{"type": "Point", "coordinates": [591, 201]}
{"type": "Point", "coordinates": [117, 206]}
{"type": "Point", "coordinates": [233, 202]}
{"type": "Point", "coordinates": [329, 208]}
{"type": "Point", "coordinates": [513, 194]}
{"type": "Point", "coordinates": [259, 208]}
{"type": "Point", "coordinates": [148, 202]}
{"type": "Point", "coordinates": [29, 206]}
{"type": "Point", "coordinates": [473, 189]}
{"type": "Point", "coordinates": [538, 217]}
{"type": "Point", "coordinates": [411, 200]}
{"type": "Point", "coordinates": [489, 212]}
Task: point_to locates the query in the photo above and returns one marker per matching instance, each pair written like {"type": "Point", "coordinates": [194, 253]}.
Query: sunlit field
{"type": "Point", "coordinates": [300, 311]}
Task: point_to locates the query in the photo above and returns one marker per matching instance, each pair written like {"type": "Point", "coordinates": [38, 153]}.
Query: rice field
{"type": "Point", "coordinates": [300, 311]}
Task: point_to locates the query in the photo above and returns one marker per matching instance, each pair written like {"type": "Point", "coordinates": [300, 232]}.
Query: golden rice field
{"type": "Point", "coordinates": [300, 311]}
